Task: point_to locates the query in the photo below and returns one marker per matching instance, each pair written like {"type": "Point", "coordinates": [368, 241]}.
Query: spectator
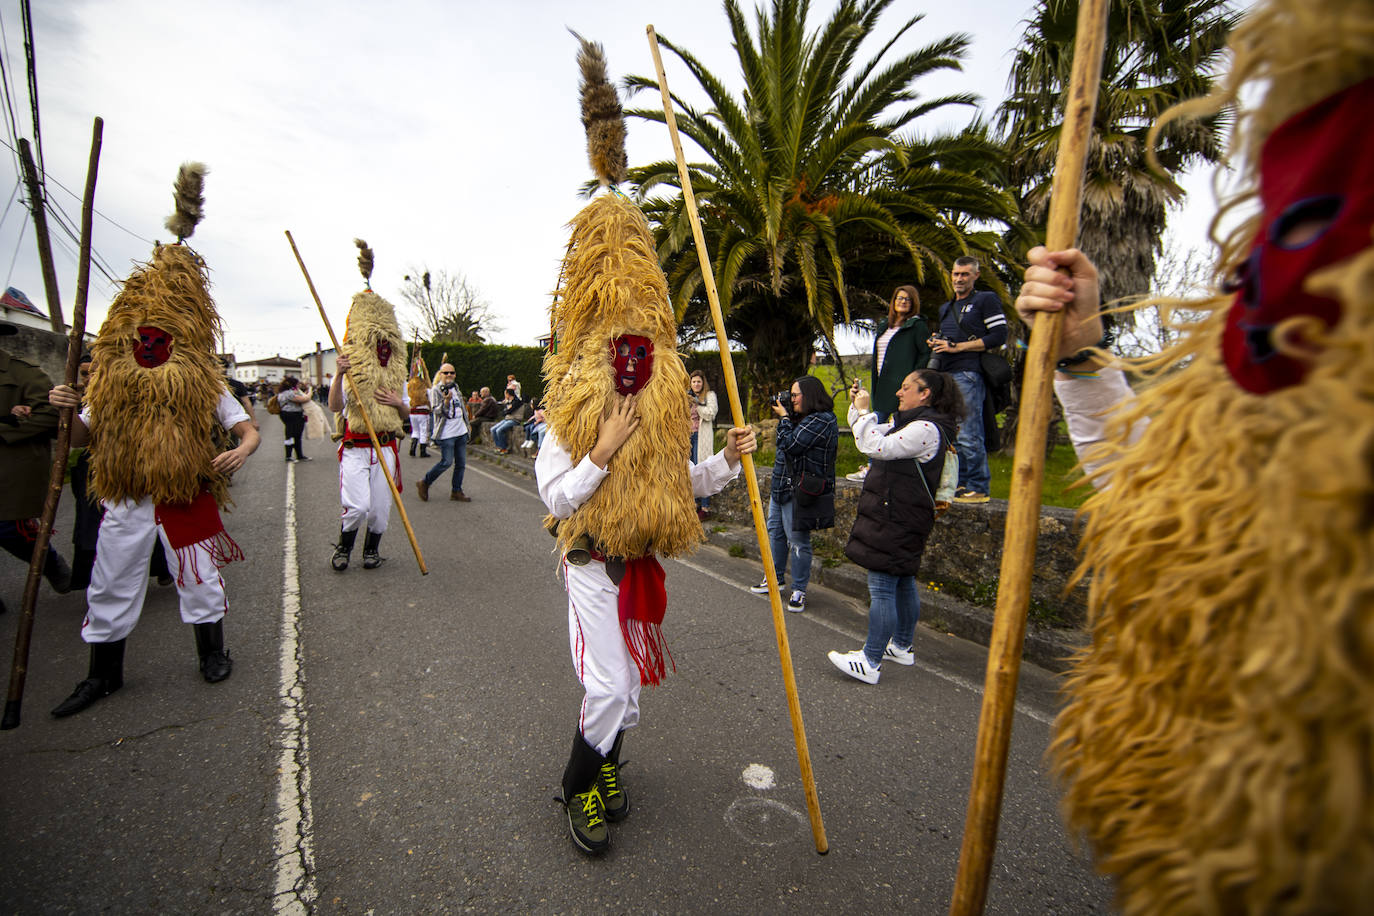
{"type": "Point", "coordinates": [450, 434]}
{"type": "Point", "coordinates": [535, 427]}
{"type": "Point", "coordinates": [292, 395]}
{"type": "Point", "coordinates": [896, 512]}
{"type": "Point", "coordinates": [488, 412]}
{"type": "Point", "coordinates": [513, 385]}
{"type": "Point", "coordinates": [704, 410]}
{"type": "Point", "coordinates": [970, 323]}
{"type": "Point", "coordinates": [901, 347]}
{"type": "Point", "coordinates": [802, 496]}
{"type": "Point", "coordinates": [474, 402]}
{"type": "Point", "coordinates": [512, 416]}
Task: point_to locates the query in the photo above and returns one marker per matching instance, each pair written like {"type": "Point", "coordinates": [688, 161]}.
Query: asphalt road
{"type": "Point", "coordinates": [392, 743]}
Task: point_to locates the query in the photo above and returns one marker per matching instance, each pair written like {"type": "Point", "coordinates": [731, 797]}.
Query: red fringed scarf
{"type": "Point", "coordinates": [642, 603]}
{"type": "Point", "coordinates": [192, 524]}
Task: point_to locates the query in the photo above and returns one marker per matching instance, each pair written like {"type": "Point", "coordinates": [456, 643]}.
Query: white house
{"type": "Point", "coordinates": [271, 370]}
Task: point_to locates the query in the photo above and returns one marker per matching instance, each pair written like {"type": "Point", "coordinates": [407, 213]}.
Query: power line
{"type": "Point", "coordinates": [14, 195]}
{"type": "Point", "coordinates": [31, 57]}
{"type": "Point", "coordinates": [22, 226]}
{"type": "Point", "coordinates": [73, 195]}
{"type": "Point", "coordinates": [11, 125]}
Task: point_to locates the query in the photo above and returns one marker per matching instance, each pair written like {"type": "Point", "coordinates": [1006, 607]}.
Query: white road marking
{"type": "Point", "coordinates": [958, 680]}
{"type": "Point", "coordinates": [853, 633]}
{"type": "Point", "coordinates": [293, 841]}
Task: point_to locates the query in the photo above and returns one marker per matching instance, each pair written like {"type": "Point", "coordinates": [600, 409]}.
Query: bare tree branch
{"type": "Point", "coordinates": [444, 306]}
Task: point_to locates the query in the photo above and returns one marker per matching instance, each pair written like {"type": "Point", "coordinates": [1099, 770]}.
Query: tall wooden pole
{"type": "Point", "coordinates": [1023, 509]}
{"type": "Point", "coordinates": [371, 433]}
{"type": "Point", "coordinates": [40, 230]}
{"type": "Point", "coordinates": [19, 668]}
{"type": "Point", "coordinates": [747, 472]}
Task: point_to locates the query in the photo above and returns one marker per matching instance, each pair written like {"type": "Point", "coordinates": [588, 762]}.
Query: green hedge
{"type": "Point", "coordinates": [487, 365]}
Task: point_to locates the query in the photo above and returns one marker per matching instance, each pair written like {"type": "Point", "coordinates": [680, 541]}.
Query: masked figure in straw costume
{"type": "Point", "coordinates": [614, 469]}
{"type": "Point", "coordinates": [371, 355]}
{"type": "Point", "coordinates": [417, 390]}
{"type": "Point", "coordinates": [1217, 746]}
{"type": "Point", "coordinates": [153, 415]}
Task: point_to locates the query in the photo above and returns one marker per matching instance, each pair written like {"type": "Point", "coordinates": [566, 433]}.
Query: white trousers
{"type": "Point", "coordinates": [610, 678]}
{"type": "Point", "coordinates": [363, 490]}
{"type": "Point", "coordinates": [419, 428]}
{"type": "Point", "coordinates": [119, 580]}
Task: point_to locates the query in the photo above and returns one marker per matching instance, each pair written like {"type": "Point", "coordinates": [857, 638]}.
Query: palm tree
{"type": "Point", "coordinates": [1158, 53]}
{"type": "Point", "coordinates": [806, 186]}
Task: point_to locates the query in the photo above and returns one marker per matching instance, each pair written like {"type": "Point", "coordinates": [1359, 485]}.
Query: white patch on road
{"type": "Point", "coordinates": [758, 776]}
{"type": "Point", "coordinates": [852, 633]}
{"type": "Point", "coordinates": [294, 890]}
{"type": "Point", "coordinates": [764, 821]}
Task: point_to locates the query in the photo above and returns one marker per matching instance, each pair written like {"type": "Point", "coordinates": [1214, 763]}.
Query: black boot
{"type": "Point", "coordinates": [413, 443]}
{"type": "Point", "coordinates": [105, 676]}
{"type": "Point", "coordinates": [582, 798]}
{"type": "Point", "coordinates": [342, 550]}
{"type": "Point", "coordinates": [57, 572]}
{"type": "Point", "coordinates": [371, 559]}
{"type": "Point", "coordinates": [83, 561]}
{"type": "Point", "coordinates": [613, 794]}
{"type": "Point", "coordinates": [424, 450]}
{"type": "Point", "coordinates": [215, 664]}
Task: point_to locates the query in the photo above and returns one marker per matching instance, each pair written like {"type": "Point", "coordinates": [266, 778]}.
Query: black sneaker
{"type": "Point", "coordinates": [762, 587]}
{"type": "Point", "coordinates": [797, 603]}
{"type": "Point", "coordinates": [614, 799]}
{"type": "Point", "coordinates": [587, 822]}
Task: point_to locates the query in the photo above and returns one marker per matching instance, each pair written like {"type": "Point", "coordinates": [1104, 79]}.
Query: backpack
{"type": "Point", "coordinates": [273, 405]}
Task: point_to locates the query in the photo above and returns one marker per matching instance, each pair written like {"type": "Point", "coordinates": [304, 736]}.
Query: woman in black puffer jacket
{"type": "Point", "coordinates": [897, 510]}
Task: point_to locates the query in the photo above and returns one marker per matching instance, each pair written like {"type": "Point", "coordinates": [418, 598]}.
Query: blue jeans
{"type": "Point", "coordinates": [703, 502]}
{"type": "Point", "coordinates": [973, 454]}
{"type": "Point", "coordinates": [500, 433]}
{"type": "Point", "coordinates": [452, 452]}
{"type": "Point", "coordinates": [783, 540]}
{"type": "Point", "coordinates": [894, 606]}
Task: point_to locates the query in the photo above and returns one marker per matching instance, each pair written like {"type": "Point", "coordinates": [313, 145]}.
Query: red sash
{"type": "Point", "coordinates": [196, 524]}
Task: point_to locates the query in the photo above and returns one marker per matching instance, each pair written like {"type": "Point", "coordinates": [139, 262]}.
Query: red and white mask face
{"type": "Point", "coordinates": [1317, 191]}
{"type": "Point", "coordinates": [154, 347]}
{"type": "Point", "coordinates": [384, 352]}
{"type": "Point", "coordinates": [633, 359]}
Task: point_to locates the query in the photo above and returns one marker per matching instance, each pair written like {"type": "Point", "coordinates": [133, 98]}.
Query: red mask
{"type": "Point", "coordinates": [633, 357]}
{"type": "Point", "coordinates": [1316, 173]}
{"type": "Point", "coordinates": [154, 347]}
{"type": "Point", "coordinates": [384, 352]}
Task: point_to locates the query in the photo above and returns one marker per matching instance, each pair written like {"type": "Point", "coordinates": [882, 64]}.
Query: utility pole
{"type": "Point", "coordinates": [40, 229]}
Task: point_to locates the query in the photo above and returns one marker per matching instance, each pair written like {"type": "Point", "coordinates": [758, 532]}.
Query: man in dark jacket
{"type": "Point", "coordinates": [970, 323]}
{"type": "Point", "coordinates": [27, 425]}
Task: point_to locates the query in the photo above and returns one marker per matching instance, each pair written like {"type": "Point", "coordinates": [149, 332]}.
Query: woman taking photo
{"type": "Point", "coordinates": [900, 348]}
{"type": "Point", "coordinates": [704, 410]}
{"type": "Point", "coordinates": [896, 511]}
{"type": "Point", "coordinates": [292, 396]}
{"type": "Point", "coordinates": [802, 496]}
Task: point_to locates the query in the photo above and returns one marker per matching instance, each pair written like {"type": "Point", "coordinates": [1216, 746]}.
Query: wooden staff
{"type": "Point", "coordinates": [1023, 509]}
{"type": "Point", "coordinates": [371, 432]}
{"type": "Point", "coordinates": [813, 806]}
{"type": "Point", "coordinates": [19, 669]}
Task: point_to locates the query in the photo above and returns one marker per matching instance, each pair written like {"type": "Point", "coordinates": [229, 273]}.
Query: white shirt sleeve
{"type": "Point", "coordinates": [562, 486]}
{"type": "Point", "coordinates": [919, 439]}
{"type": "Point", "coordinates": [229, 411]}
{"type": "Point", "coordinates": [711, 476]}
{"type": "Point", "coordinates": [1088, 405]}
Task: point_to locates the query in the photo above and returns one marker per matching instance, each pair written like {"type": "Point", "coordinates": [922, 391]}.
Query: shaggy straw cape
{"type": "Point", "coordinates": [371, 320]}
{"type": "Point", "coordinates": [1217, 746]}
{"type": "Point", "coordinates": [612, 285]}
{"type": "Point", "coordinates": [153, 431]}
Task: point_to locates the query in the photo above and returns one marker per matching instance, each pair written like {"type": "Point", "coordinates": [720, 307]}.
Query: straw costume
{"type": "Point", "coordinates": [373, 346]}
{"type": "Point", "coordinates": [615, 350]}
{"type": "Point", "coordinates": [417, 390]}
{"type": "Point", "coordinates": [1217, 746]}
{"type": "Point", "coordinates": [156, 409]}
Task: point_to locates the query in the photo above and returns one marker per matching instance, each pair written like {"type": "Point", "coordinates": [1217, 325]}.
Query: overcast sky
{"type": "Point", "coordinates": [446, 134]}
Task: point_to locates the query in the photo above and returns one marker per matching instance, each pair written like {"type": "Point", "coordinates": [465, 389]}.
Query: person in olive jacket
{"type": "Point", "coordinates": [901, 347]}
{"type": "Point", "coordinates": [897, 511]}
{"type": "Point", "coordinates": [27, 426]}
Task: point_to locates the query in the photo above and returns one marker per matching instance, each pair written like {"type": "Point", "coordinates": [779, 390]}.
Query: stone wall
{"type": "Point", "coordinates": [46, 350]}
{"type": "Point", "coordinates": [964, 554]}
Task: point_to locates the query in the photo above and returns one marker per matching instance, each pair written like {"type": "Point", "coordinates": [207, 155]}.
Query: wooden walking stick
{"type": "Point", "coordinates": [1023, 510]}
{"type": "Point", "coordinates": [14, 701]}
{"type": "Point", "coordinates": [747, 472]}
{"type": "Point", "coordinates": [371, 433]}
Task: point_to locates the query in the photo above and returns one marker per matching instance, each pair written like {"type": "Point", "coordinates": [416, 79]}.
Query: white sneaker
{"type": "Point", "coordinates": [855, 664]}
{"type": "Point", "coordinates": [761, 588]}
{"type": "Point", "coordinates": [900, 656]}
{"type": "Point", "coordinates": [797, 603]}
{"type": "Point", "coordinates": [860, 474]}
{"type": "Point", "coordinates": [528, 443]}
